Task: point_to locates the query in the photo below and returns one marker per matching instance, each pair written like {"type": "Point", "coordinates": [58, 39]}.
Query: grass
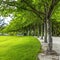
{"type": "Point", "coordinates": [19, 48]}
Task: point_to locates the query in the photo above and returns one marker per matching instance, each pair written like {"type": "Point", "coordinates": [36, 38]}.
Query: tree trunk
{"type": "Point", "coordinates": [28, 32]}
{"type": "Point", "coordinates": [45, 23]}
{"type": "Point", "coordinates": [42, 31]}
{"type": "Point", "coordinates": [37, 28]}
{"type": "Point", "coordinates": [34, 28]}
{"type": "Point", "coordinates": [45, 31]}
{"type": "Point", "coordinates": [49, 37]}
{"type": "Point", "coordinates": [38, 31]}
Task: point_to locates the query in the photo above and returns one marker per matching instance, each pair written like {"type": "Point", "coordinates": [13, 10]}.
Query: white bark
{"type": "Point", "coordinates": [49, 36]}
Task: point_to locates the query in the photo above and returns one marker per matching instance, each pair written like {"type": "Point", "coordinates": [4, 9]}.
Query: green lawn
{"type": "Point", "coordinates": [19, 48]}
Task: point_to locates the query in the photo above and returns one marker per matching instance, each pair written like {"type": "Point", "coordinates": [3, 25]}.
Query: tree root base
{"type": "Point", "coordinates": [51, 52]}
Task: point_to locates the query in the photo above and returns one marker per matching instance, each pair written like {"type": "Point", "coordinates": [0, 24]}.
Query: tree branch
{"type": "Point", "coordinates": [39, 12]}
{"type": "Point", "coordinates": [32, 10]}
{"type": "Point", "coordinates": [53, 4]}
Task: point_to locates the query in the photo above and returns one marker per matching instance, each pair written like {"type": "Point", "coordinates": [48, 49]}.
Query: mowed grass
{"type": "Point", "coordinates": [19, 48]}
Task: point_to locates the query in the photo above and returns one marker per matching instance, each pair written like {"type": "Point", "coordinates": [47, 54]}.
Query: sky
{"type": "Point", "coordinates": [5, 19]}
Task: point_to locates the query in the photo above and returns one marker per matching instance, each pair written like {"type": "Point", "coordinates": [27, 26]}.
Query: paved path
{"type": "Point", "coordinates": [56, 43]}
{"type": "Point", "coordinates": [56, 47]}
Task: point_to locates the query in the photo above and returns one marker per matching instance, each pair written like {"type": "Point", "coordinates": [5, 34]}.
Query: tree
{"type": "Point", "coordinates": [49, 13]}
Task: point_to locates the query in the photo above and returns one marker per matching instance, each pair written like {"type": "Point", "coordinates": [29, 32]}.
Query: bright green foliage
{"type": "Point", "coordinates": [56, 13]}
{"type": "Point", "coordinates": [19, 48]}
{"type": "Point", "coordinates": [30, 12]}
{"type": "Point", "coordinates": [22, 20]}
{"type": "Point", "coordinates": [20, 5]}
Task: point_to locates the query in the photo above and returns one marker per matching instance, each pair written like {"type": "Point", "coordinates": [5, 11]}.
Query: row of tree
{"type": "Point", "coordinates": [40, 9]}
